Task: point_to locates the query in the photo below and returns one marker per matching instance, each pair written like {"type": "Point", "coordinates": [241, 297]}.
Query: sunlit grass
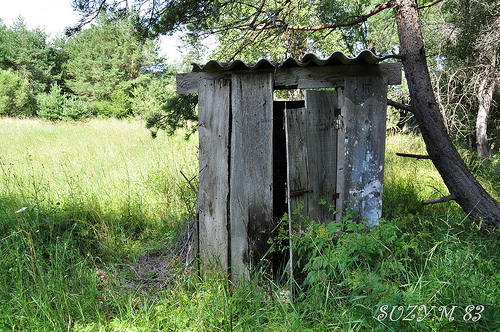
{"type": "Point", "coordinates": [420, 172]}
{"type": "Point", "coordinates": [107, 177]}
{"type": "Point", "coordinates": [99, 194]}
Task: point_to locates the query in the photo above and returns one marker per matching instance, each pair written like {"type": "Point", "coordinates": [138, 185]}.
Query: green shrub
{"type": "Point", "coordinates": [51, 105]}
{"type": "Point", "coordinates": [76, 109]}
{"type": "Point", "coordinates": [119, 106]}
{"type": "Point", "coordinates": [15, 97]}
{"type": "Point", "coordinates": [56, 106]}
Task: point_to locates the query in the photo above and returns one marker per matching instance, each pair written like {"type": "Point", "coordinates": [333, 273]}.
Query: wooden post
{"type": "Point", "coordinates": [251, 170]}
{"type": "Point", "coordinates": [364, 112]}
{"type": "Point", "coordinates": [213, 114]}
{"type": "Point", "coordinates": [339, 202]}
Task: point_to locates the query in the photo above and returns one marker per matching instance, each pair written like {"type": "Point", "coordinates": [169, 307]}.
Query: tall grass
{"type": "Point", "coordinates": [75, 197]}
{"type": "Point", "coordinates": [82, 204]}
{"type": "Point", "coordinates": [107, 176]}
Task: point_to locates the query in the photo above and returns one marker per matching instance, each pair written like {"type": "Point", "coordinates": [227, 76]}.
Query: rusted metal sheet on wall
{"type": "Point", "coordinates": [214, 113]}
{"type": "Point", "coordinates": [311, 134]}
{"type": "Point", "coordinates": [364, 114]}
{"type": "Point", "coordinates": [251, 170]}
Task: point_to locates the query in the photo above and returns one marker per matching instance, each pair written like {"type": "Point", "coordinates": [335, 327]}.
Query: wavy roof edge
{"type": "Point", "coordinates": [366, 57]}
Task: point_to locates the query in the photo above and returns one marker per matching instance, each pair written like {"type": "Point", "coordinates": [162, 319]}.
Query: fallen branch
{"type": "Point", "coordinates": [439, 200]}
{"type": "Point", "coordinates": [416, 156]}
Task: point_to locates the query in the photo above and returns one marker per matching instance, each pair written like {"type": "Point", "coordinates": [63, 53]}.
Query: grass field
{"type": "Point", "coordinates": [93, 217]}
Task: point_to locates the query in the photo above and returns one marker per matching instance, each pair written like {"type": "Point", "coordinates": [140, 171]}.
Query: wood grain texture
{"type": "Point", "coordinates": [214, 114]}
{"type": "Point", "coordinates": [251, 170]}
{"type": "Point", "coordinates": [333, 76]}
{"type": "Point", "coordinates": [302, 77]}
{"type": "Point", "coordinates": [364, 114]}
{"type": "Point", "coordinates": [312, 155]}
{"type": "Point", "coordinates": [340, 157]}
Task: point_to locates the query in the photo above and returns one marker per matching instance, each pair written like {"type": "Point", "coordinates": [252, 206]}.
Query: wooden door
{"type": "Point", "coordinates": [336, 151]}
{"type": "Point", "coordinates": [364, 113]}
{"type": "Point", "coordinates": [312, 137]}
{"type": "Point", "coordinates": [312, 142]}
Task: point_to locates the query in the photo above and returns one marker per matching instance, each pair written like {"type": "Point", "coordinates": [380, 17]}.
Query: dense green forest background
{"type": "Point", "coordinates": [105, 70]}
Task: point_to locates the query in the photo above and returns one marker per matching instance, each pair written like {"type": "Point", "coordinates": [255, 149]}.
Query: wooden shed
{"type": "Point", "coordinates": [260, 158]}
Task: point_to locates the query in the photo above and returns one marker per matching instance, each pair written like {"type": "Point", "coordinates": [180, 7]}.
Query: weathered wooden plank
{"type": "Point", "coordinates": [340, 157]}
{"type": "Point", "coordinates": [312, 155]}
{"type": "Point", "coordinates": [333, 76]}
{"type": "Point", "coordinates": [251, 170]}
{"type": "Point", "coordinates": [322, 141]}
{"type": "Point", "coordinates": [304, 77]}
{"type": "Point", "coordinates": [364, 114]}
{"type": "Point", "coordinates": [189, 82]}
{"type": "Point", "coordinates": [297, 126]}
{"type": "Point", "coordinates": [214, 114]}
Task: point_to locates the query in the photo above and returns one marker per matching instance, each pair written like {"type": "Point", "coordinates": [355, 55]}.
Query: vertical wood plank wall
{"type": "Point", "coordinates": [364, 111]}
{"type": "Point", "coordinates": [251, 170]}
{"type": "Point", "coordinates": [235, 201]}
{"type": "Point", "coordinates": [213, 114]}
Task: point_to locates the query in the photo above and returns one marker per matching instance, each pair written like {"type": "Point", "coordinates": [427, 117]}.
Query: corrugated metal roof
{"type": "Point", "coordinates": [309, 60]}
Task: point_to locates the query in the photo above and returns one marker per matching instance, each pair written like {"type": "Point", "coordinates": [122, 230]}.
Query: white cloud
{"type": "Point", "coordinates": [53, 16]}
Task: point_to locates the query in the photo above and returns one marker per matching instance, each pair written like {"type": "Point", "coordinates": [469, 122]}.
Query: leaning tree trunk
{"type": "Point", "coordinates": [485, 96]}
{"type": "Point", "coordinates": [463, 187]}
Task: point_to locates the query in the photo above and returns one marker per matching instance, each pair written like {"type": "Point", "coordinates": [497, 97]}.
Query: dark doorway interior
{"type": "Point", "coordinates": [280, 205]}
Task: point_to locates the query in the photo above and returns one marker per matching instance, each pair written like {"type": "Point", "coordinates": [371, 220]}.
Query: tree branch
{"type": "Point", "coordinates": [248, 42]}
{"type": "Point", "coordinates": [257, 14]}
{"type": "Point", "coordinates": [190, 184]}
{"type": "Point", "coordinates": [429, 4]}
{"type": "Point", "coordinates": [399, 105]}
{"type": "Point", "coordinates": [393, 56]}
{"type": "Point", "coordinates": [360, 19]}
{"type": "Point", "coordinates": [416, 156]}
{"type": "Point", "coordinates": [439, 200]}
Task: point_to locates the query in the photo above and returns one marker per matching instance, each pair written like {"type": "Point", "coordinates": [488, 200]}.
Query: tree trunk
{"type": "Point", "coordinates": [485, 96]}
{"type": "Point", "coordinates": [468, 193]}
